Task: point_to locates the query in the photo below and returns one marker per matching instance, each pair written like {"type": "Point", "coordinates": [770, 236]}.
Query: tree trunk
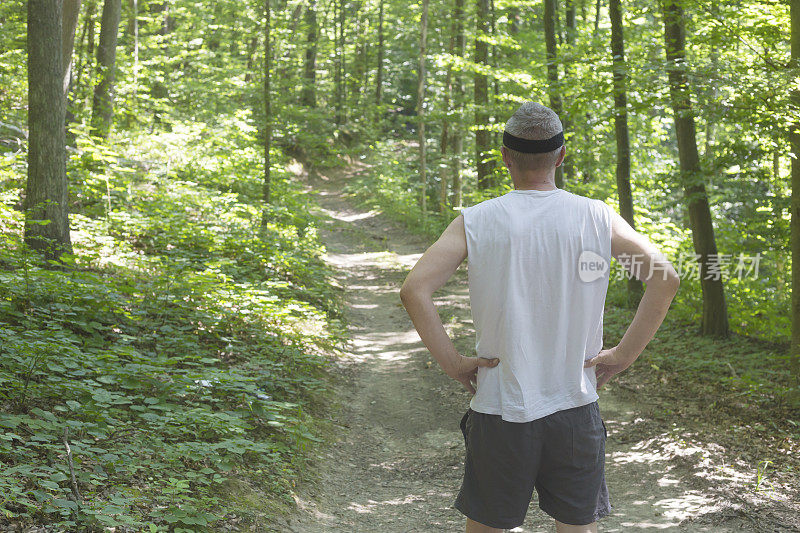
{"type": "Point", "coordinates": [423, 42]}
{"type": "Point", "coordinates": [715, 315]}
{"type": "Point", "coordinates": [570, 33]}
{"type": "Point", "coordinates": [445, 141]}
{"type": "Point", "coordinates": [69, 22]}
{"type": "Point", "coordinates": [458, 101]}
{"type": "Point", "coordinates": [357, 66]}
{"type": "Point", "coordinates": [46, 208]}
{"type": "Point", "coordinates": [794, 139]}
{"type": "Point", "coordinates": [552, 69]}
{"type": "Point", "coordinates": [496, 139]}
{"type": "Point", "coordinates": [103, 101]}
{"type": "Point", "coordinates": [252, 46]}
{"type": "Point", "coordinates": [481, 87]}
{"type": "Point", "coordinates": [265, 195]}
{"type": "Point", "coordinates": [597, 17]}
{"type": "Point", "coordinates": [86, 54]}
{"type": "Point", "coordinates": [339, 45]}
{"type": "Point", "coordinates": [621, 131]}
{"type": "Point", "coordinates": [379, 75]}
{"type": "Point", "coordinates": [309, 98]}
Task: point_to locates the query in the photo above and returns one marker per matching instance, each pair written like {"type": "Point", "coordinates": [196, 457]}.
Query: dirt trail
{"type": "Point", "coordinates": [397, 463]}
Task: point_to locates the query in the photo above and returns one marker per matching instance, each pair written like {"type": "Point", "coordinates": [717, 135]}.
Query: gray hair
{"type": "Point", "coordinates": [535, 122]}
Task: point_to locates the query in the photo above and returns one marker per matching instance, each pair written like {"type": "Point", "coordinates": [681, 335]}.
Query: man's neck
{"type": "Point", "coordinates": [535, 181]}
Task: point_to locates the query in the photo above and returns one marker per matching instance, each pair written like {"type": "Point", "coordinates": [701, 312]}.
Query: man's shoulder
{"type": "Point", "coordinates": [594, 203]}
{"type": "Point", "coordinates": [483, 205]}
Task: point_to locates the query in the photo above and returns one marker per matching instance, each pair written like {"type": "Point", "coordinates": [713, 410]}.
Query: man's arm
{"type": "Point", "coordinates": [651, 267]}
{"type": "Point", "coordinates": [431, 272]}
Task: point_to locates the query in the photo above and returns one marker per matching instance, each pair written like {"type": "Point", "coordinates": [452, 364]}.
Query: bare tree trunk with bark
{"type": "Point", "coordinates": [481, 87]}
{"type": "Point", "coordinates": [635, 287]}
{"type": "Point", "coordinates": [423, 44]}
{"type": "Point", "coordinates": [103, 101]}
{"type": "Point", "coordinates": [554, 89]}
{"type": "Point", "coordinates": [46, 197]}
{"type": "Point", "coordinates": [715, 314]}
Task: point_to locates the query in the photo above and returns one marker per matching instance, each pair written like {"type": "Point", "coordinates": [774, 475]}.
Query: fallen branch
{"type": "Point", "coordinates": [76, 495]}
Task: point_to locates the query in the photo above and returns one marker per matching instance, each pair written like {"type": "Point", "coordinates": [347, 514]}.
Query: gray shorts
{"type": "Point", "coordinates": [562, 455]}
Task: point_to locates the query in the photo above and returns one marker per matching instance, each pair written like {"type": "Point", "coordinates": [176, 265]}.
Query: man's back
{"type": "Point", "coordinates": [538, 276]}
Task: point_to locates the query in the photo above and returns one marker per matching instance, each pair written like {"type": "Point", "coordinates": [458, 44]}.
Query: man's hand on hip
{"type": "Point", "coordinates": [608, 363]}
{"type": "Point", "coordinates": [465, 370]}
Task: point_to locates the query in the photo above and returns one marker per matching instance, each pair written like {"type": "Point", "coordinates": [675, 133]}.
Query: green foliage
{"type": "Point", "coordinates": [181, 346]}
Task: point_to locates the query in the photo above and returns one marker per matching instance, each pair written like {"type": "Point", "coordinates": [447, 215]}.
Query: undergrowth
{"type": "Point", "coordinates": [179, 353]}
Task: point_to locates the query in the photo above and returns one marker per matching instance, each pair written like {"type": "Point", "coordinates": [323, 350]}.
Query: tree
{"type": "Point", "coordinates": [339, 45]}
{"type": "Point", "coordinates": [379, 74]}
{"type": "Point", "coordinates": [621, 130]}
{"type": "Point", "coordinates": [309, 97]}
{"type": "Point", "coordinates": [446, 139]}
{"type": "Point", "coordinates": [46, 207]}
{"type": "Point", "coordinates": [423, 43]}
{"type": "Point", "coordinates": [103, 100]}
{"type": "Point", "coordinates": [570, 32]}
{"type": "Point", "coordinates": [265, 196]}
{"type": "Point", "coordinates": [458, 100]}
{"type": "Point", "coordinates": [481, 88]}
{"type": "Point", "coordinates": [715, 315]}
{"type": "Point", "coordinates": [794, 139]}
{"type": "Point", "coordinates": [69, 22]}
{"type": "Point", "coordinates": [552, 69]}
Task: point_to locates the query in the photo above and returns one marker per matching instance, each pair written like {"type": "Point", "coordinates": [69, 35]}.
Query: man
{"type": "Point", "coordinates": [538, 261]}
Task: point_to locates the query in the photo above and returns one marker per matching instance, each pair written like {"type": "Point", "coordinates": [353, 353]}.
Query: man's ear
{"type": "Point", "coordinates": [506, 159]}
{"type": "Point", "coordinates": [561, 156]}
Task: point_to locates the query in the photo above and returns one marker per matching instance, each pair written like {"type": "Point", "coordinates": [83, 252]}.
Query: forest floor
{"type": "Point", "coordinates": [394, 460]}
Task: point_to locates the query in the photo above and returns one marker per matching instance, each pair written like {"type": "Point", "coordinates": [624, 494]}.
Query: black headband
{"type": "Point", "coordinates": [528, 146]}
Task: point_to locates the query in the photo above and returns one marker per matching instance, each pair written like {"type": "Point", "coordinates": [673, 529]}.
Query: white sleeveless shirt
{"type": "Point", "coordinates": [538, 269]}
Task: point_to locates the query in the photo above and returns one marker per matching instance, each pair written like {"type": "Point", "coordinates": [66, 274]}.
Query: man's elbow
{"type": "Point", "coordinates": [672, 281]}
{"type": "Point", "coordinates": [406, 293]}
{"type": "Point", "coordinates": [410, 292]}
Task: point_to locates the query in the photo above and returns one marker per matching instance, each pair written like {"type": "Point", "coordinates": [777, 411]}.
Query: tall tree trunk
{"type": "Point", "coordinates": [554, 89]}
{"type": "Point", "coordinates": [357, 68]}
{"type": "Point", "coordinates": [495, 135]}
{"type": "Point", "coordinates": [103, 101]}
{"type": "Point", "coordinates": [135, 46]}
{"type": "Point", "coordinates": [46, 207]}
{"type": "Point", "coordinates": [447, 141]}
{"type": "Point", "coordinates": [423, 43]}
{"type": "Point", "coordinates": [379, 75]}
{"type": "Point", "coordinates": [266, 193]}
{"type": "Point", "coordinates": [481, 88]}
{"type": "Point", "coordinates": [621, 131]}
{"type": "Point", "coordinates": [69, 22]}
{"type": "Point", "coordinates": [458, 101]}
{"type": "Point", "coordinates": [309, 98]}
{"type": "Point", "coordinates": [715, 315]}
{"type": "Point", "coordinates": [444, 139]}
{"type": "Point", "coordinates": [597, 17]}
{"type": "Point", "coordinates": [570, 33]}
{"type": "Point", "coordinates": [339, 45]}
{"type": "Point", "coordinates": [87, 52]}
{"type": "Point", "coordinates": [794, 139]}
